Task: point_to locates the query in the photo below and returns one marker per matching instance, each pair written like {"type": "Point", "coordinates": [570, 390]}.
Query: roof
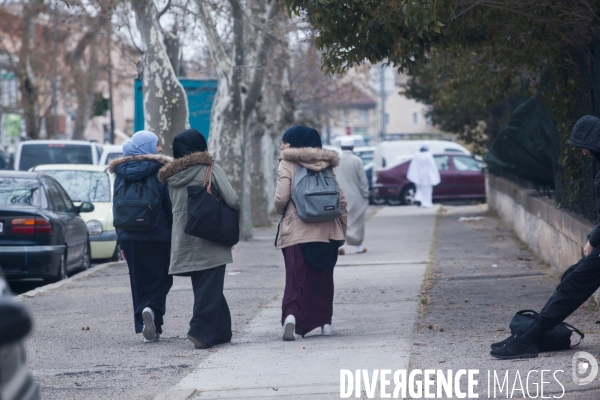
{"type": "Point", "coordinates": [76, 142]}
{"type": "Point", "coordinates": [18, 174]}
{"type": "Point", "coordinates": [112, 148]}
{"type": "Point", "coordinates": [71, 167]}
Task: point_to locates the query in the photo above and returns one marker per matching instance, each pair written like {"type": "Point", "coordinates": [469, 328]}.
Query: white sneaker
{"type": "Point", "coordinates": [149, 331]}
{"type": "Point", "coordinates": [328, 330]}
{"type": "Point", "coordinates": [156, 339]}
{"type": "Point", "coordinates": [289, 325]}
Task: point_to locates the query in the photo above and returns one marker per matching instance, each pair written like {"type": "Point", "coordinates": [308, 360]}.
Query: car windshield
{"type": "Point", "coordinates": [19, 191]}
{"type": "Point", "coordinates": [83, 185]}
{"type": "Point", "coordinates": [54, 153]}
{"type": "Point", "coordinates": [112, 156]}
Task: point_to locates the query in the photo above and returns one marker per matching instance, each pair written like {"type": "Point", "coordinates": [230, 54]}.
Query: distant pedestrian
{"type": "Point", "coordinates": [578, 282]}
{"type": "Point", "coordinates": [310, 250]}
{"type": "Point", "coordinates": [423, 172]}
{"type": "Point", "coordinates": [202, 260]}
{"type": "Point", "coordinates": [147, 252]}
{"type": "Point", "coordinates": [353, 181]}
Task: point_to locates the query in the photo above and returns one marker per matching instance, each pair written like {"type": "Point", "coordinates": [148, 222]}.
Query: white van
{"type": "Point", "coordinates": [32, 153]}
{"type": "Point", "coordinates": [388, 154]}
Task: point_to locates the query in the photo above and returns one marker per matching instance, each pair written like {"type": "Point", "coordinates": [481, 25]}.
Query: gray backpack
{"type": "Point", "coordinates": [316, 195]}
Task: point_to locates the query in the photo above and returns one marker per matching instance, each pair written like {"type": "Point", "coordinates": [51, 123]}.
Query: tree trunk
{"type": "Point", "coordinates": [27, 79]}
{"type": "Point", "coordinates": [165, 101]}
{"type": "Point", "coordinates": [84, 79]}
{"type": "Point", "coordinates": [240, 86]}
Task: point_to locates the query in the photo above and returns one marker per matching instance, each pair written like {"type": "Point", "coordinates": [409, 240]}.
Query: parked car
{"type": "Point", "coordinates": [92, 183]}
{"type": "Point", "coordinates": [359, 140]}
{"type": "Point", "coordinates": [366, 154]}
{"type": "Point", "coordinates": [16, 381]}
{"type": "Point", "coordinates": [37, 152]}
{"type": "Point", "coordinates": [110, 152]}
{"type": "Point", "coordinates": [41, 232]}
{"type": "Point", "coordinates": [462, 177]}
{"type": "Point", "coordinates": [388, 154]}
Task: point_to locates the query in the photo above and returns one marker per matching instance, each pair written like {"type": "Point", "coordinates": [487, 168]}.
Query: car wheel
{"type": "Point", "coordinates": [377, 201]}
{"type": "Point", "coordinates": [116, 255]}
{"type": "Point", "coordinates": [86, 260]}
{"type": "Point", "coordinates": [407, 195]}
{"type": "Point", "coordinates": [62, 269]}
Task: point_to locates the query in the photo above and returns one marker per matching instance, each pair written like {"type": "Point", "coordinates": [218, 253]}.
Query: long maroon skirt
{"type": "Point", "coordinates": [308, 294]}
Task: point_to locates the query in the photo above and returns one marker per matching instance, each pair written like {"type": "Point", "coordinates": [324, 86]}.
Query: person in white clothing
{"type": "Point", "coordinates": [423, 172]}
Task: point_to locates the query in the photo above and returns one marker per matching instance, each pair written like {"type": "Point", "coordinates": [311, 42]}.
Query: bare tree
{"type": "Point", "coordinates": [165, 101]}
{"type": "Point", "coordinates": [25, 74]}
{"type": "Point", "coordinates": [240, 76]}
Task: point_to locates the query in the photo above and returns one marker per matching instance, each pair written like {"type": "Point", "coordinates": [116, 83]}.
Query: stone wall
{"type": "Point", "coordinates": [557, 236]}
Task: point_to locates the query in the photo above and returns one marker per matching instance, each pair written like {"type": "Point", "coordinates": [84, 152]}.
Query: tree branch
{"type": "Point", "coordinates": [164, 10]}
{"type": "Point", "coordinates": [215, 45]}
{"type": "Point", "coordinates": [265, 40]}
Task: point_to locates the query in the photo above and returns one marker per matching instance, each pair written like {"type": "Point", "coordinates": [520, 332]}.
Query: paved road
{"type": "Point", "coordinates": [109, 361]}
{"type": "Point", "coordinates": [375, 307]}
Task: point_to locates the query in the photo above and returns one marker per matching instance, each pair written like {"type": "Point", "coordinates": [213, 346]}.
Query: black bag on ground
{"type": "Point", "coordinates": [556, 339]}
{"type": "Point", "coordinates": [137, 205]}
{"type": "Point", "coordinates": [209, 217]}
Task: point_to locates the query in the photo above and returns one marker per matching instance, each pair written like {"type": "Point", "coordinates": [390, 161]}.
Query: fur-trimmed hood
{"type": "Point", "coordinates": [135, 168]}
{"type": "Point", "coordinates": [183, 163]}
{"type": "Point", "coordinates": [315, 159]}
{"type": "Point", "coordinates": [142, 157]}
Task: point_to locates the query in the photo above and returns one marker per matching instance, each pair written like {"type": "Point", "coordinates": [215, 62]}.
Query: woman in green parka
{"type": "Point", "coordinates": [202, 260]}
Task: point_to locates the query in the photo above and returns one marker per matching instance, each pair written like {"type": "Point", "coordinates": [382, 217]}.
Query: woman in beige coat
{"type": "Point", "coordinates": [309, 249]}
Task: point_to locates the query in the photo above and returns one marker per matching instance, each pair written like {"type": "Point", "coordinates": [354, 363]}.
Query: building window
{"type": "Point", "coordinates": [415, 118]}
{"type": "Point", "coordinates": [363, 117]}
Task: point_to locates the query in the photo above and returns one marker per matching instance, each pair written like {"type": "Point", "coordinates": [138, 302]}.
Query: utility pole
{"type": "Point", "coordinates": [110, 91]}
{"type": "Point", "coordinates": [383, 96]}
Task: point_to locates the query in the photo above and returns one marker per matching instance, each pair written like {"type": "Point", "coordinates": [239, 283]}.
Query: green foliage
{"type": "Point", "coordinates": [349, 32]}
{"type": "Point", "coordinates": [475, 61]}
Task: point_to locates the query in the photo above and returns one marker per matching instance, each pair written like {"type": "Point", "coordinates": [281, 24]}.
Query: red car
{"type": "Point", "coordinates": [462, 178]}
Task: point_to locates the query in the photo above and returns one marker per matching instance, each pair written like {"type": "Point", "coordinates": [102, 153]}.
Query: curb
{"type": "Point", "coordinates": [178, 394]}
{"type": "Point", "coordinates": [56, 285]}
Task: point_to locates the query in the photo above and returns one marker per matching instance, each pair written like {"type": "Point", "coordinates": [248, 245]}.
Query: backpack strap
{"type": "Point", "coordinates": [208, 178]}
{"type": "Point", "coordinates": [577, 331]}
{"type": "Point", "coordinates": [279, 224]}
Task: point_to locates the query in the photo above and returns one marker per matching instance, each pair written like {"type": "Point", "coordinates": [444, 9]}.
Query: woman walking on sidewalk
{"type": "Point", "coordinates": [310, 250]}
{"type": "Point", "coordinates": [578, 282]}
{"type": "Point", "coordinates": [202, 260]}
{"type": "Point", "coordinates": [147, 252]}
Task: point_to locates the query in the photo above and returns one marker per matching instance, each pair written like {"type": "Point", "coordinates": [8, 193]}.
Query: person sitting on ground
{"type": "Point", "coordinates": [353, 181]}
{"type": "Point", "coordinates": [310, 250]}
{"type": "Point", "coordinates": [578, 282]}
{"type": "Point", "coordinates": [147, 253]}
{"type": "Point", "coordinates": [202, 260]}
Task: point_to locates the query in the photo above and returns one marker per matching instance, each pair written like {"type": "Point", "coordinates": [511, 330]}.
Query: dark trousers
{"type": "Point", "coordinates": [211, 322]}
{"type": "Point", "coordinates": [148, 264]}
{"type": "Point", "coordinates": [577, 284]}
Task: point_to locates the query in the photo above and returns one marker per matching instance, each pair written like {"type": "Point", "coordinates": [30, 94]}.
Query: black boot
{"type": "Point", "coordinates": [522, 346]}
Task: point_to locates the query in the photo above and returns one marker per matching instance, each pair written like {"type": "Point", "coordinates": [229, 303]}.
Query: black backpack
{"type": "Point", "coordinates": [137, 205]}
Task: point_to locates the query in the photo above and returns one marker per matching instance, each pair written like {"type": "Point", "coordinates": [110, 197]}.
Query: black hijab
{"type": "Point", "coordinates": [188, 142]}
{"type": "Point", "coordinates": [301, 136]}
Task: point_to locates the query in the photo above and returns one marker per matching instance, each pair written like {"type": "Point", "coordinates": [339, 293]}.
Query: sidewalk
{"type": "Point", "coordinates": [481, 275]}
{"type": "Point", "coordinates": [375, 308]}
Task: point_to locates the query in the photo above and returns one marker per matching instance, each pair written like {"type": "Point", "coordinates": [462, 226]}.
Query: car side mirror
{"type": "Point", "coordinates": [86, 207]}
{"type": "Point", "coordinates": [15, 322]}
